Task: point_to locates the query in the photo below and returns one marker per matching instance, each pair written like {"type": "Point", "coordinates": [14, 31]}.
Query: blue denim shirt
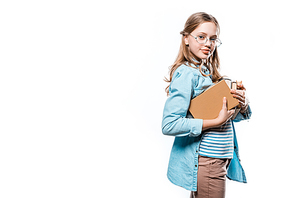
{"type": "Point", "coordinates": [187, 83]}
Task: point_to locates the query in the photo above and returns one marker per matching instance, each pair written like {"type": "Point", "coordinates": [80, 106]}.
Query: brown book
{"type": "Point", "coordinates": [208, 104]}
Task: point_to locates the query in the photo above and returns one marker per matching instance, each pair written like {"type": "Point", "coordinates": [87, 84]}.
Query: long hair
{"type": "Point", "coordinates": [188, 58]}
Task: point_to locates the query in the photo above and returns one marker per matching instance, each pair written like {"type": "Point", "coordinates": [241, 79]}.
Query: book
{"type": "Point", "coordinates": [208, 104]}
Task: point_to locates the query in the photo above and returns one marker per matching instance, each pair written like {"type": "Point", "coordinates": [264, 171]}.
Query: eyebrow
{"type": "Point", "coordinates": [207, 34]}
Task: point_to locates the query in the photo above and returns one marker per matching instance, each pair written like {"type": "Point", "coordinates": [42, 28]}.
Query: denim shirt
{"type": "Point", "coordinates": [187, 83]}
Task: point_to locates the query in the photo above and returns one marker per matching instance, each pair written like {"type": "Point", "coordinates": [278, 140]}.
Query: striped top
{"type": "Point", "coordinates": [218, 142]}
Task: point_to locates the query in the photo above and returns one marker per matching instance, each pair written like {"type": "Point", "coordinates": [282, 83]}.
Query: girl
{"type": "Point", "coordinates": [204, 151]}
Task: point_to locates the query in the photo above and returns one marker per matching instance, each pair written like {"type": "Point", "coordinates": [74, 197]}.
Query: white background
{"type": "Point", "coordinates": [82, 94]}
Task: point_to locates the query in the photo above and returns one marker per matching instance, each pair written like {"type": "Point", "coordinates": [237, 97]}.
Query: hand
{"type": "Point", "coordinates": [241, 96]}
{"type": "Point", "coordinates": [224, 114]}
{"type": "Point", "coordinates": [223, 117]}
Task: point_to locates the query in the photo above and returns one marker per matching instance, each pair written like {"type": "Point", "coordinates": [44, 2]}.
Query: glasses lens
{"type": "Point", "coordinates": [218, 42]}
{"type": "Point", "coordinates": [201, 39]}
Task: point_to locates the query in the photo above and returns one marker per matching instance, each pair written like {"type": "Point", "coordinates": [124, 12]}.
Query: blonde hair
{"type": "Point", "coordinates": [186, 57]}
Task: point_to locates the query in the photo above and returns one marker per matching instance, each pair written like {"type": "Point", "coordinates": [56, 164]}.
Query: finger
{"type": "Point", "coordinates": [233, 91]}
{"type": "Point", "coordinates": [241, 92]}
{"type": "Point", "coordinates": [241, 86]}
{"type": "Point", "coordinates": [231, 111]}
{"type": "Point", "coordinates": [238, 92]}
{"type": "Point", "coordinates": [224, 106]}
{"type": "Point", "coordinates": [242, 103]}
{"type": "Point", "coordinates": [240, 98]}
{"type": "Point", "coordinates": [230, 114]}
{"type": "Point", "coordinates": [239, 95]}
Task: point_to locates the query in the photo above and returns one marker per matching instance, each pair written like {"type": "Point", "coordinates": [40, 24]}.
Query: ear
{"type": "Point", "coordinates": [186, 40]}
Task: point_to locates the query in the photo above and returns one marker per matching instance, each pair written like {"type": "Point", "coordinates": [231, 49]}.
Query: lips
{"type": "Point", "coordinates": [206, 51]}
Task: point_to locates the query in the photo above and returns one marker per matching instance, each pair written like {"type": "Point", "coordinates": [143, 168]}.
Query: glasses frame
{"type": "Point", "coordinates": [217, 41]}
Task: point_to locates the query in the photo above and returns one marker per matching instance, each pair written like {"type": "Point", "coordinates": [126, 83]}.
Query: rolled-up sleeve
{"type": "Point", "coordinates": [174, 120]}
{"type": "Point", "coordinates": [243, 116]}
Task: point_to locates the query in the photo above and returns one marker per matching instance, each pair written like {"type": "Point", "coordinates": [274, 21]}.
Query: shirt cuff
{"type": "Point", "coordinates": [196, 127]}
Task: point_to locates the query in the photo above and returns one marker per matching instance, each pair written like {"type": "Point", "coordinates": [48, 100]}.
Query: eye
{"type": "Point", "coordinates": [201, 37]}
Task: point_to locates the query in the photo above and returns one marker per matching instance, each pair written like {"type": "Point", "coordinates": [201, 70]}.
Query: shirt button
{"type": "Point", "coordinates": [195, 165]}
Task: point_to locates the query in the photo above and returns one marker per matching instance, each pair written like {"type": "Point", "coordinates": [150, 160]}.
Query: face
{"type": "Point", "coordinates": [205, 30]}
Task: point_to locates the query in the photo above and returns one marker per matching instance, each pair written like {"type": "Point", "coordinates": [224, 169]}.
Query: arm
{"type": "Point", "coordinates": [174, 120]}
{"type": "Point", "coordinates": [245, 112]}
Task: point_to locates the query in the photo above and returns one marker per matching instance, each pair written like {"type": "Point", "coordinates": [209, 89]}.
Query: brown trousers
{"type": "Point", "coordinates": [211, 178]}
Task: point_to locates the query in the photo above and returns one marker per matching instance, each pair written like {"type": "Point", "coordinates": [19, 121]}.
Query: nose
{"type": "Point", "coordinates": [208, 43]}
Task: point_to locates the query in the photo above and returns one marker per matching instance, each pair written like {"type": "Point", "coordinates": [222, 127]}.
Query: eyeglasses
{"type": "Point", "coordinates": [203, 40]}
